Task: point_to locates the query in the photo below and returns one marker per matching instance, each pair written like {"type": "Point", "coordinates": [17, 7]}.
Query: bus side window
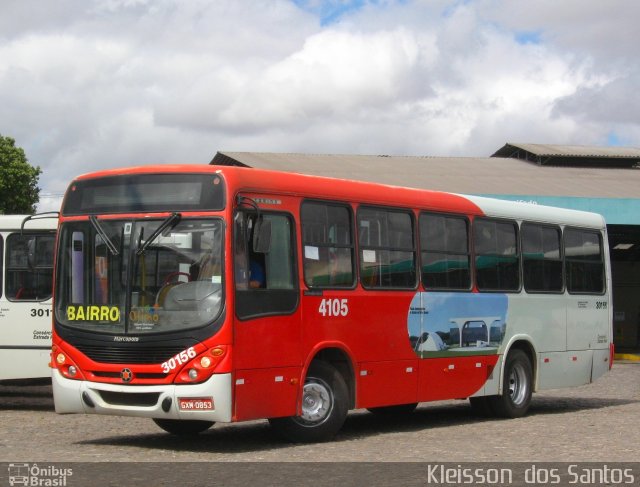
{"type": "Point", "coordinates": [496, 255]}
{"type": "Point", "coordinates": [387, 249]}
{"type": "Point", "coordinates": [265, 281]}
{"type": "Point", "coordinates": [29, 267]}
{"type": "Point", "coordinates": [584, 261]}
{"type": "Point", "coordinates": [278, 261]}
{"type": "Point", "coordinates": [542, 262]}
{"type": "Point", "coordinates": [444, 245]}
{"type": "Point", "coordinates": [263, 270]}
{"type": "Point", "coordinates": [328, 245]}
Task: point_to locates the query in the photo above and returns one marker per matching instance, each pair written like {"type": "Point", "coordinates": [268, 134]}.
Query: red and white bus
{"type": "Point", "coordinates": [197, 294]}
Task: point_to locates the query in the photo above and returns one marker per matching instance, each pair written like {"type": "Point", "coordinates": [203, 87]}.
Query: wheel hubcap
{"type": "Point", "coordinates": [518, 386]}
{"type": "Point", "coordinates": [317, 401]}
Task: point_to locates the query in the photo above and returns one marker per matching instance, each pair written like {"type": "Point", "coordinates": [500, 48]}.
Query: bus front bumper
{"type": "Point", "coordinates": [207, 401]}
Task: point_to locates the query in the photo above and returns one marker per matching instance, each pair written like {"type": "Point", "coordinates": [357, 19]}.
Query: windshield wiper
{"type": "Point", "coordinates": [112, 248]}
{"type": "Point", "coordinates": [171, 221]}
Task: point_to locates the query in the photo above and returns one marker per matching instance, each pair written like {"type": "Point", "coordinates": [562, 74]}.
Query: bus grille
{"type": "Point", "coordinates": [128, 355]}
{"type": "Point", "coordinates": [144, 399]}
{"type": "Point", "coordinates": [139, 375]}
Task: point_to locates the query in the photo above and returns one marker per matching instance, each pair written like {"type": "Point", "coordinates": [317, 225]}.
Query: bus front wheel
{"type": "Point", "coordinates": [517, 385]}
{"type": "Point", "coordinates": [183, 427]}
{"type": "Point", "coordinates": [324, 407]}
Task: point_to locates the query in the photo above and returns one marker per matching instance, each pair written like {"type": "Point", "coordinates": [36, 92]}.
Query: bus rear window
{"type": "Point", "coordinates": [145, 193]}
{"type": "Point", "coordinates": [584, 261]}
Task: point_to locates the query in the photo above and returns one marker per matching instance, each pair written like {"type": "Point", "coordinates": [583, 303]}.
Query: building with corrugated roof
{"type": "Point", "coordinates": [604, 180]}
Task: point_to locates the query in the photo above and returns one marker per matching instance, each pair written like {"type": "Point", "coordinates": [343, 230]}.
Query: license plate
{"type": "Point", "coordinates": [195, 403]}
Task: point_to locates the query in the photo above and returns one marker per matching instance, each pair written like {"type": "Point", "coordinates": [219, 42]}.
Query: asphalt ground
{"type": "Point", "coordinates": [593, 423]}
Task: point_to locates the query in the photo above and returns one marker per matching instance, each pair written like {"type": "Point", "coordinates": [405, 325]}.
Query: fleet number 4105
{"type": "Point", "coordinates": [334, 307]}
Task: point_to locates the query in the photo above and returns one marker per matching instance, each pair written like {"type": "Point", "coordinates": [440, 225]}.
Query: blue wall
{"type": "Point", "coordinates": [616, 211]}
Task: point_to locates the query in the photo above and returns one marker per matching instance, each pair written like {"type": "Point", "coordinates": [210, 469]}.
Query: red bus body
{"type": "Point", "coordinates": [359, 330]}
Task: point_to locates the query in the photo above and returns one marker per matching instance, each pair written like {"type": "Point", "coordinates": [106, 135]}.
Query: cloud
{"type": "Point", "coordinates": [335, 75]}
{"type": "Point", "coordinates": [609, 102]}
{"type": "Point", "coordinates": [92, 84]}
{"type": "Point", "coordinates": [604, 31]}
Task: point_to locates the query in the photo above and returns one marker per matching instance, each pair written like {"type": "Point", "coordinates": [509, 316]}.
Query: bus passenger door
{"type": "Point", "coordinates": [267, 323]}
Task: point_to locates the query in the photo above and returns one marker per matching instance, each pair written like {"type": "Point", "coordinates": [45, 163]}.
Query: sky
{"type": "Point", "coordinates": [96, 84]}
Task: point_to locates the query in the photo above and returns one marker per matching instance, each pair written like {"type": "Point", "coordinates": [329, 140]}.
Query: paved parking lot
{"type": "Point", "coordinates": [598, 422]}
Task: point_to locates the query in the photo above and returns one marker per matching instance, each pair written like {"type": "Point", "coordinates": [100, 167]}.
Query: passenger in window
{"type": "Point", "coordinates": [257, 278]}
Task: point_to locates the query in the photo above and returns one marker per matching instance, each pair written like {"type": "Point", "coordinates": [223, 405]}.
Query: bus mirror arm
{"type": "Point", "coordinates": [31, 251]}
{"type": "Point", "coordinates": [39, 216]}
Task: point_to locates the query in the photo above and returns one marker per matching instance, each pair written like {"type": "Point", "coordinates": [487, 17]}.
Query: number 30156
{"type": "Point", "coordinates": [178, 359]}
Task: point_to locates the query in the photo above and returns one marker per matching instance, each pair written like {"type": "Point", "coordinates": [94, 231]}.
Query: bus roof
{"type": "Point", "coordinates": [14, 222]}
{"type": "Point", "coordinates": [321, 187]}
{"type": "Point", "coordinates": [524, 210]}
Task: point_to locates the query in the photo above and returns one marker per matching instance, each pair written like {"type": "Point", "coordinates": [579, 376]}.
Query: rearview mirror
{"type": "Point", "coordinates": [262, 236]}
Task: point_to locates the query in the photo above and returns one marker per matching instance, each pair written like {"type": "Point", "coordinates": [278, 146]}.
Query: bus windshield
{"type": "Point", "coordinates": [139, 276]}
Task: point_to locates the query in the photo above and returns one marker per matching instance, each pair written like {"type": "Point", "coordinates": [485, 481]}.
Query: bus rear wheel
{"type": "Point", "coordinates": [324, 407]}
{"type": "Point", "coordinates": [517, 386]}
{"type": "Point", "coordinates": [183, 427]}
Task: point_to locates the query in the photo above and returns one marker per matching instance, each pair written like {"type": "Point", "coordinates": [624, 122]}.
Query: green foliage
{"type": "Point", "coordinates": [19, 190]}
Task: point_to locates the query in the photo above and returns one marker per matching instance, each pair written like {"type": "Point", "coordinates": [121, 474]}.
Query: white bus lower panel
{"type": "Point", "coordinates": [25, 363]}
{"type": "Point", "coordinates": [564, 369]}
{"type": "Point", "coordinates": [208, 401]}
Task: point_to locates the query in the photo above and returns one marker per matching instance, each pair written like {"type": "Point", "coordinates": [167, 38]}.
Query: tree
{"type": "Point", "coordinates": [19, 190]}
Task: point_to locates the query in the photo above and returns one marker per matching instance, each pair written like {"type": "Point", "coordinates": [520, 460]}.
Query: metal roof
{"type": "Point", "coordinates": [469, 175]}
{"type": "Point", "coordinates": [573, 155]}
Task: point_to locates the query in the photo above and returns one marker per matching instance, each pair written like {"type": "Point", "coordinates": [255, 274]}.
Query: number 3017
{"type": "Point", "coordinates": [40, 312]}
{"type": "Point", "coordinates": [334, 307]}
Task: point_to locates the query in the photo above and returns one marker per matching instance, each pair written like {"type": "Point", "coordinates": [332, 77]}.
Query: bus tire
{"type": "Point", "coordinates": [183, 427]}
{"type": "Point", "coordinates": [517, 386]}
{"type": "Point", "coordinates": [397, 410]}
{"type": "Point", "coordinates": [325, 399]}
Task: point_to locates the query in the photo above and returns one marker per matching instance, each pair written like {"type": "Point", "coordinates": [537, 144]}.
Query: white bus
{"type": "Point", "coordinates": [26, 269]}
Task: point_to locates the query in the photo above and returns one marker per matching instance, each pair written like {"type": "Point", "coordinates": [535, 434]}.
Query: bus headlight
{"type": "Point", "coordinates": [205, 362]}
{"type": "Point", "coordinates": [72, 371]}
{"type": "Point", "coordinates": [60, 358]}
{"type": "Point", "coordinates": [193, 374]}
